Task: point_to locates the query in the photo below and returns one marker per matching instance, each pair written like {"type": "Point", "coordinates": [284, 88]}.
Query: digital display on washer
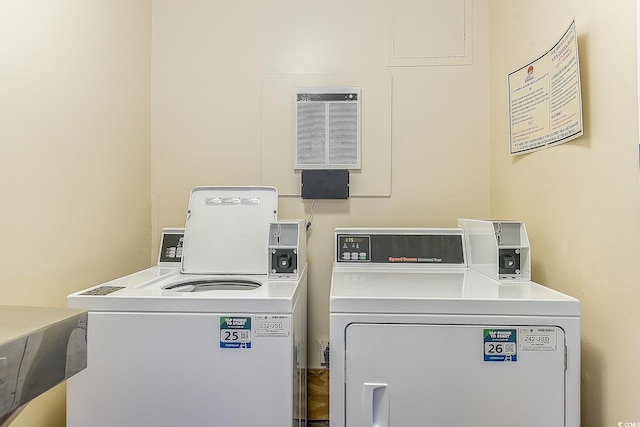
{"type": "Point", "coordinates": [401, 248]}
{"type": "Point", "coordinates": [353, 248]}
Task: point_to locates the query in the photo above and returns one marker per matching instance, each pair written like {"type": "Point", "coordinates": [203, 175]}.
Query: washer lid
{"type": "Point", "coordinates": [227, 230]}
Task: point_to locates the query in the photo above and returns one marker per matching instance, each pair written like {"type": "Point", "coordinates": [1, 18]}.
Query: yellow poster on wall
{"type": "Point", "coordinates": [545, 102]}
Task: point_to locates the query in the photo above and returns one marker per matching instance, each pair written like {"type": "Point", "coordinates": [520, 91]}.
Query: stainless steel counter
{"type": "Point", "coordinates": [39, 348]}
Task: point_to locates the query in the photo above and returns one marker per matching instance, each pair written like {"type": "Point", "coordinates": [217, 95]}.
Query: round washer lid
{"type": "Point", "coordinates": [227, 230]}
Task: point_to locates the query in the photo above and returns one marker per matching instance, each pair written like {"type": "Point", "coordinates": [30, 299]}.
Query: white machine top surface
{"type": "Point", "coordinates": [169, 290]}
{"type": "Point", "coordinates": [441, 291]}
{"type": "Point", "coordinates": [425, 271]}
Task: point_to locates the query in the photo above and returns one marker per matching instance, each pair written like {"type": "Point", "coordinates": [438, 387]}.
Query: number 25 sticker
{"type": "Point", "coordinates": [235, 332]}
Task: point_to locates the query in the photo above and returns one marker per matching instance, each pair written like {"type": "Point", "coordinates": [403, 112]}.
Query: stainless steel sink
{"type": "Point", "coordinates": [39, 348]}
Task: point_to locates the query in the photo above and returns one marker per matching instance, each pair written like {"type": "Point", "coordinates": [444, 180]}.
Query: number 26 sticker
{"type": "Point", "coordinates": [500, 345]}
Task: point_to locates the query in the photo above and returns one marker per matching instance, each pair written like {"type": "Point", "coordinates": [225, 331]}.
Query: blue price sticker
{"type": "Point", "coordinates": [500, 345]}
{"type": "Point", "coordinates": [235, 332]}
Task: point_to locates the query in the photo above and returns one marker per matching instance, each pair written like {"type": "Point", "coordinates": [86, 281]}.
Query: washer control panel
{"type": "Point", "coordinates": [354, 248]}
{"type": "Point", "coordinates": [402, 246]}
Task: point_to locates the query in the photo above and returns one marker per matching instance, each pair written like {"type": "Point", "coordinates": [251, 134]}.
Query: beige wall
{"type": "Point", "coordinates": [77, 116]}
{"type": "Point", "coordinates": [74, 161]}
{"type": "Point", "coordinates": [209, 63]}
{"type": "Point", "coordinates": [580, 200]}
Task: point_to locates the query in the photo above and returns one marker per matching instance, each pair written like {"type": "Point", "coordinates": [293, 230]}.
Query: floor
{"type": "Point", "coordinates": [318, 399]}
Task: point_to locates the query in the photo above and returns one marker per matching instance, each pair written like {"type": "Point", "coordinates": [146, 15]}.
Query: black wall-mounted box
{"type": "Point", "coordinates": [325, 184]}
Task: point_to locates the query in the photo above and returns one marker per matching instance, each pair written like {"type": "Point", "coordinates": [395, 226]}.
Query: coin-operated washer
{"type": "Point", "coordinates": [420, 337]}
{"type": "Point", "coordinates": [219, 341]}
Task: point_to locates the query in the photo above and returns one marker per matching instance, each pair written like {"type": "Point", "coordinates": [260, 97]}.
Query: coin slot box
{"type": "Point", "coordinates": [284, 261]}
{"type": "Point", "coordinates": [287, 241]}
{"type": "Point", "coordinates": [499, 249]}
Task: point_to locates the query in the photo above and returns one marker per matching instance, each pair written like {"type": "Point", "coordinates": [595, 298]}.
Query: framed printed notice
{"type": "Point", "coordinates": [545, 102]}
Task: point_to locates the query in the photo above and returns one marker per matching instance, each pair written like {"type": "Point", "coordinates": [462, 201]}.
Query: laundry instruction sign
{"type": "Point", "coordinates": [545, 101]}
{"type": "Point", "coordinates": [500, 345]}
{"type": "Point", "coordinates": [235, 332]}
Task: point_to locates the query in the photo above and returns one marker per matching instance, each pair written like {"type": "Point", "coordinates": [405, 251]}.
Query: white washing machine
{"type": "Point", "coordinates": [219, 341]}
{"type": "Point", "coordinates": [420, 339]}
